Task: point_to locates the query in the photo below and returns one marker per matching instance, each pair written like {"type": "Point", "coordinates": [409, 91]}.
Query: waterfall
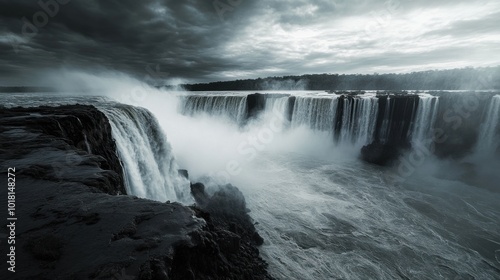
{"type": "Point", "coordinates": [385, 129]}
{"type": "Point", "coordinates": [488, 141]}
{"type": "Point", "coordinates": [425, 118]}
{"type": "Point", "coordinates": [232, 106]}
{"type": "Point", "coordinates": [358, 120]}
{"type": "Point", "coordinates": [366, 116]}
{"type": "Point", "coordinates": [352, 120]}
{"type": "Point", "coordinates": [317, 113]}
{"type": "Point", "coordinates": [347, 120]}
{"type": "Point", "coordinates": [278, 105]}
{"type": "Point", "coordinates": [150, 169]}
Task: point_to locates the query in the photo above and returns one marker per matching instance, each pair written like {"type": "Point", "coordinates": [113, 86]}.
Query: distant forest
{"type": "Point", "coordinates": [454, 79]}
{"type": "Point", "coordinates": [26, 89]}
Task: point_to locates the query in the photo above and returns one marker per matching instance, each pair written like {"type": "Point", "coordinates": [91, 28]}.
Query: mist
{"type": "Point", "coordinates": [208, 146]}
{"type": "Point", "coordinates": [273, 84]}
{"type": "Point", "coordinates": [218, 147]}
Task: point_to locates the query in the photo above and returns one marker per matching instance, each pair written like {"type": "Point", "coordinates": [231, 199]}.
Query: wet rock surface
{"type": "Point", "coordinates": [82, 131]}
{"type": "Point", "coordinates": [227, 247]}
{"type": "Point", "coordinates": [383, 154]}
{"type": "Point", "coordinates": [72, 225]}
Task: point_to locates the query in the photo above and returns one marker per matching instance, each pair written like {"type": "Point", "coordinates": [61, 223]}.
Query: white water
{"type": "Point", "coordinates": [277, 105]}
{"type": "Point", "coordinates": [385, 129]}
{"type": "Point", "coordinates": [150, 168]}
{"type": "Point", "coordinates": [359, 120]}
{"type": "Point", "coordinates": [338, 219]}
{"type": "Point", "coordinates": [425, 118]}
{"type": "Point", "coordinates": [488, 141]}
{"type": "Point", "coordinates": [326, 215]}
{"type": "Point", "coordinates": [317, 113]}
{"type": "Point", "coordinates": [232, 106]}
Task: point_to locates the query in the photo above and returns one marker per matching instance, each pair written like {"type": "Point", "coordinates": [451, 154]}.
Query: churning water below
{"type": "Point", "coordinates": [325, 214]}
{"type": "Point", "coordinates": [339, 219]}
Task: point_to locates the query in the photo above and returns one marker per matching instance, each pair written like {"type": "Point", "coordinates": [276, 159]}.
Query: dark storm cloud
{"type": "Point", "coordinates": [202, 40]}
{"type": "Point", "coordinates": [182, 37]}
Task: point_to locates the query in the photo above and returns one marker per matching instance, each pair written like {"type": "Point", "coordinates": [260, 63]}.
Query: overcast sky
{"type": "Point", "coordinates": [206, 40]}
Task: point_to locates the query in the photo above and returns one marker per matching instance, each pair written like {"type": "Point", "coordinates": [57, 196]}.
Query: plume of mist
{"type": "Point", "coordinates": [203, 144]}
{"type": "Point", "coordinates": [288, 84]}
{"type": "Point", "coordinates": [211, 145]}
{"type": "Point", "coordinates": [98, 81]}
{"type": "Point", "coordinates": [102, 81]}
{"type": "Point", "coordinates": [481, 79]}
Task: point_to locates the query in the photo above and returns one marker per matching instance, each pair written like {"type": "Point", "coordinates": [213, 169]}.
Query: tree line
{"type": "Point", "coordinates": [453, 79]}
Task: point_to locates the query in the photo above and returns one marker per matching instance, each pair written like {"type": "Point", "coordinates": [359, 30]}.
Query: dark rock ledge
{"type": "Point", "coordinates": [384, 154]}
{"type": "Point", "coordinates": [72, 225]}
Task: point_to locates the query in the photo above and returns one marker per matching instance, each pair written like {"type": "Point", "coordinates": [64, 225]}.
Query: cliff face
{"type": "Point", "coordinates": [385, 149]}
{"type": "Point", "coordinates": [71, 225]}
{"type": "Point", "coordinates": [82, 131]}
{"type": "Point", "coordinates": [455, 133]}
{"type": "Point", "coordinates": [459, 118]}
{"type": "Point", "coordinates": [256, 102]}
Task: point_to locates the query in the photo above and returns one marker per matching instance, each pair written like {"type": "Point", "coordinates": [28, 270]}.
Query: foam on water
{"type": "Point", "coordinates": [338, 219]}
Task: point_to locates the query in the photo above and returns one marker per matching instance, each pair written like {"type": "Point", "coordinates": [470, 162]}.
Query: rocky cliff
{"type": "Point", "coordinates": [71, 224]}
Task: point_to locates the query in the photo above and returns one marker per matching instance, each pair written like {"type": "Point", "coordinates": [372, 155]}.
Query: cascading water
{"type": "Point", "coordinates": [277, 105]}
{"type": "Point", "coordinates": [150, 168]}
{"type": "Point", "coordinates": [317, 113]}
{"type": "Point", "coordinates": [359, 120]}
{"type": "Point", "coordinates": [367, 115]}
{"type": "Point", "coordinates": [352, 120]}
{"type": "Point", "coordinates": [425, 118]}
{"type": "Point", "coordinates": [385, 129]}
{"type": "Point", "coordinates": [488, 134]}
{"type": "Point", "coordinates": [232, 106]}
{"type": "Point", "coordinates": [347, 128]}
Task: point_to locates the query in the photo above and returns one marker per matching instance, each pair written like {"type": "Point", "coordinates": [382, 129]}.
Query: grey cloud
{"type": "Point", "coordinates": [189, 40]}
{"type": "Point", "coordinates": [462, 28]}
{"type": "Point", "coordinates": [181, 36]}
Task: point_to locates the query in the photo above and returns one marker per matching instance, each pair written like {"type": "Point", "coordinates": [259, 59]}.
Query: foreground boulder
{"type": "Point", "coordinates": [228, 246]}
